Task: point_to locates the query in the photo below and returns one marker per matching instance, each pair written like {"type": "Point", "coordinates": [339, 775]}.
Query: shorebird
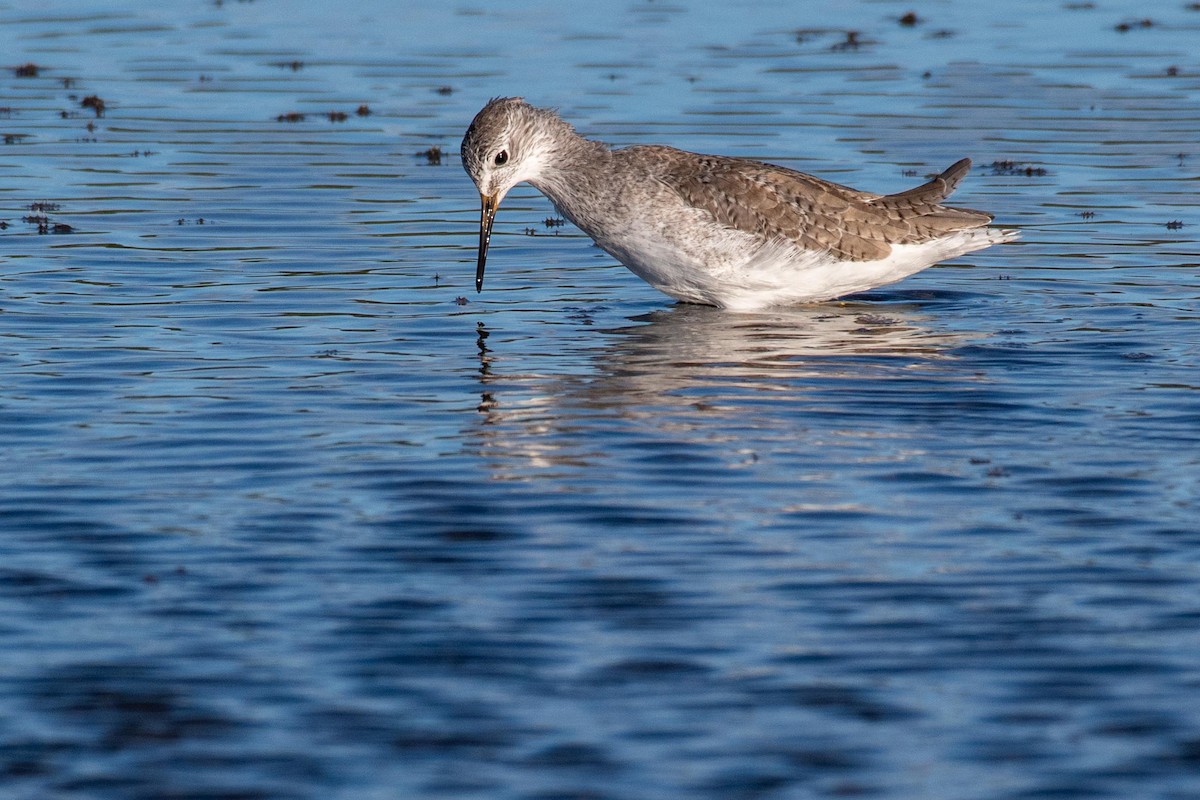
{"type": "Point", "coordinates": [718, 230]}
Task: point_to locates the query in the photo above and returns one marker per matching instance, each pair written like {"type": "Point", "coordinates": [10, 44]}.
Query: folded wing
{"type": "Point", "coordinates": [777, 203]}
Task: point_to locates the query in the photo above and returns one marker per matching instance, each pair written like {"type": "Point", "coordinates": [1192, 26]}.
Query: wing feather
{"type": "Point", "coordinates": [778, 204]}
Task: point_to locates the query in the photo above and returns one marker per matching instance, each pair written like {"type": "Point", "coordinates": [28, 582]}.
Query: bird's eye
{"type": "Point", "coordinates": [501, 158]}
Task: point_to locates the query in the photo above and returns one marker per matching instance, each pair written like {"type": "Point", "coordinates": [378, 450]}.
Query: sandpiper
{"type": "Point", "coordinates": [718, 230]}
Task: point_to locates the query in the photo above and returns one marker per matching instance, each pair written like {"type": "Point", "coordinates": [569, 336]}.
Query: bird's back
{"type": "Point", "coordinates": [774, 202]}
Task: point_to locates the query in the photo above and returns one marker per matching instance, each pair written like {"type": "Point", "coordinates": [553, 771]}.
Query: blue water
{"type": "Point", "coordinates": [289, 511]}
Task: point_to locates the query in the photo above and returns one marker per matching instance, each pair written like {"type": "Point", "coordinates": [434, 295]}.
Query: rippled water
{"type": "Point", "coordinates": [290, 512]}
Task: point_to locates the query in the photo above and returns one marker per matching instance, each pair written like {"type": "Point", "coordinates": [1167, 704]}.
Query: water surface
{"type": "Point", "coordinates": [290, 512]}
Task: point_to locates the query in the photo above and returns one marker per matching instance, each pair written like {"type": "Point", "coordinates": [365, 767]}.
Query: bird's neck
{"type": "Point", "coordinates": [573, 167]}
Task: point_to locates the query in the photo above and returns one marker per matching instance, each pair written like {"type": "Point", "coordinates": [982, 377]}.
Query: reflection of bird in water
{"type": "Point", "coordinates": [728, 232]}
{"type": "Point", "coordinates": [693, 342]}
{"type": "Point", "coordinates": [676, 367]}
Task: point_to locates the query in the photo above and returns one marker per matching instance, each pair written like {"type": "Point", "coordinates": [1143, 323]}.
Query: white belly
{"type": "Point", "coordinates": [738, 272]}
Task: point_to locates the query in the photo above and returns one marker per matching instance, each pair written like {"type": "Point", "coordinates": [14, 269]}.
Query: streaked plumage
{"type": "Point", "coordinates": [729, 232]}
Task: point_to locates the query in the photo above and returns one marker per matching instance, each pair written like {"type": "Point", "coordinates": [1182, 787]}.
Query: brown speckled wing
{"type": "Point", "coordinates": [778, 203]}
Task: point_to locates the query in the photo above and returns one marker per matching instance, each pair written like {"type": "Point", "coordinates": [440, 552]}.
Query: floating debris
{"type": "Point", "coordinates": [1172, 71]}
{"type": "Point", "coordinates": [43, 223]}
{"type": "Point", "coordinates": [29, 70]}
{"type": "Point", "coordinates": [1125, 27]}
{"type": "Point", "coordinates": [1014, 168]}
{"type": "Point", "coordinates": [363, 111]}
{"type": "Point", "coordinates": [910, 19]}
{"type": "Point", "coordinates": [445, 91]}
{"type": "Point", "coordinates": [845, 39]}
{"type": "Point", "coordinates": [294, 66]}
{"type": "Point", "coordinates": [95, 103]}
{"type": "Point", "coordinates": [291, 116]}
{"type": "Point", "coordinates": [338, 116]}
{"type": "Point", "coordinates": [432, 156]}
{"type": "Point", "coordinates": [851, 42]}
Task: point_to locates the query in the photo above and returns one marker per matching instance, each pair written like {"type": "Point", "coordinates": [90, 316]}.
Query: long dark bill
{"type": "Point", "coordinates": [487, 213]}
